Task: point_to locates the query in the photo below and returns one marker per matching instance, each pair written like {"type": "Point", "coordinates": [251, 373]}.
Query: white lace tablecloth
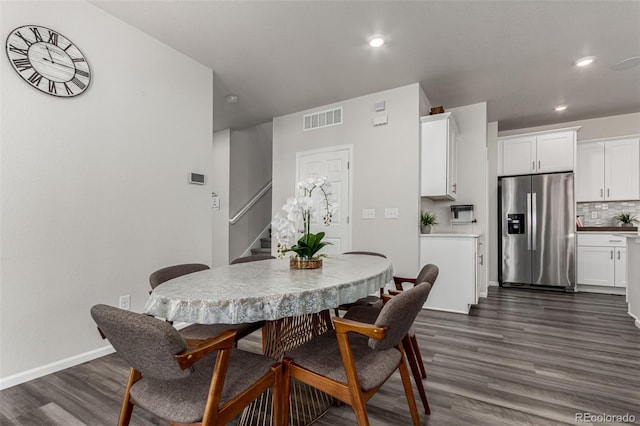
{"type": "Point", "coordinates": [267, 290]}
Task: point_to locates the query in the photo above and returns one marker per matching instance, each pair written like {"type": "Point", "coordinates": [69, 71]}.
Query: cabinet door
{"type": "Point", "coordinates": [621, 267]}
{"type": "Point", "coordinates": [622, 169]}
{"type": "Point", "coordinates": [437, 159]}
{"type": "Point", "coordinates": [554, 152]}
{"type": "Point", "coordinates": [518, 156]}
{"type": "Point", "coordinates": [596, 266]}
{"type": "Point", "coordinates": [590, 172]}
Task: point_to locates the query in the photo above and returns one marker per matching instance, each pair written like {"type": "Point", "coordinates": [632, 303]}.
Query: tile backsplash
{"type": "Point", "coordinates": [604, 212]}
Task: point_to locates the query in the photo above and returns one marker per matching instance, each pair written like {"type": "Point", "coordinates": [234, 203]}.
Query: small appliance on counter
{"type": "Point", "coordinates": [462, 213]}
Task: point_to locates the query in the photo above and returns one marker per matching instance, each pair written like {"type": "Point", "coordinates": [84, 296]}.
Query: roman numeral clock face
{"type": "Point", "coordinates": [48, 61]}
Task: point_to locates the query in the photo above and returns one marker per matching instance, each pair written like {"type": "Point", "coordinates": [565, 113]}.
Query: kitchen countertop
{"type": "Point", "coordinates": [617, 229]}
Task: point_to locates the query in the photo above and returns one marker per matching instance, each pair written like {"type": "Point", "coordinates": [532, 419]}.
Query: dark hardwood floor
{"type": "Point", "coordinates": [522, 357]}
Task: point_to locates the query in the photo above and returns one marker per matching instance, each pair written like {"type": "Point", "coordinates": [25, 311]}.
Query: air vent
{"type": "Point", "coordinates": [317, 120]}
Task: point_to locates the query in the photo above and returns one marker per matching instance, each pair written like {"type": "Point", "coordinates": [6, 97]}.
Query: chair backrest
{"type": "Point", "coordinates": [368, 253]}
{"type": "Point", "coordinates": [252, 258]}
{"type": "Point", "coordinates": [398, 315]}
{"type": "Point", "coordinates": [429, 273]}
{"type": "Point", "coordinates": [146, 343]}
{"type": "Point", "coordinates": [175, 271]}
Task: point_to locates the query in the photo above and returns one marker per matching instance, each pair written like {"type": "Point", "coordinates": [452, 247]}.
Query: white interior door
{"type": "Point", "coordinates": [334, 164]}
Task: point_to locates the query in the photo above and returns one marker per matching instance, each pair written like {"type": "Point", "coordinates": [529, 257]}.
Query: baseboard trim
{"type": "Point", "coordinates": [637, 320]}
{"type": "Point", "coordinates": [494, 284]}
{"type": "Point", "coordinates": [618, 291]}
{"type": "Point", "coordinates": [34, 373]}
{"type": "Point", "coordinates": [483, 294]}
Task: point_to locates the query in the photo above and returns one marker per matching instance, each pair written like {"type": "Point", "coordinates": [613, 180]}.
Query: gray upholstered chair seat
{"type": "Point", "coordinates": [366, 314]}
{"type": "Point", "coordinates": [184, 401]}
{"type": "Point", "coordinates": [205, 331]}
{"type": "Point", "coordinates": [322, 355]}
{"type": "Point", "coordinates": [173, 379]}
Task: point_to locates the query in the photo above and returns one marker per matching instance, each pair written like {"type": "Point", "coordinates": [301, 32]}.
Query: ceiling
{"type": "Point", "coordinates": [280, 57]}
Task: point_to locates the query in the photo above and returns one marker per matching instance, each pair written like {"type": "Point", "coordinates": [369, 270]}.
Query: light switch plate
{"type": "Point", "coordinates": [391, 213]}
{"type": "Point", "coordinates": [368, 213]}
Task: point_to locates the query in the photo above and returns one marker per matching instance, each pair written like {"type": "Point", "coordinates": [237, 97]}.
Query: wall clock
{"type": "Point", "coordinates": [48, 61]}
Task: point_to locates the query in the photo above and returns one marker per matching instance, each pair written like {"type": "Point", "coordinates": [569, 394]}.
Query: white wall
{"type": "Point", "coordinates": [220, 185]}
{"type": "Point", "coordinates": [492, 192]}
{"type": "Point", "coordinates": [595, 128]}
{"type": "Point", "coordinates": [385, 168]}
{"type": "Point", "coordinates": [94, 193]}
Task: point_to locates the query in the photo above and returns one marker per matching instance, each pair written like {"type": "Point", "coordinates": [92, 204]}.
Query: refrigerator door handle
{"type": "Point", "coordinates": [529, 221]}
{"type": "Point", "coordinates": [534, 221]}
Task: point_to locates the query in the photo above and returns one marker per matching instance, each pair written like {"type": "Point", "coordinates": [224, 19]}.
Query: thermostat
{"type": "Point", "coordinates": [196, 178]}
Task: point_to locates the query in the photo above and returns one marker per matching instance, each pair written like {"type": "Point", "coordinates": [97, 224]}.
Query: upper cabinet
{"type": "Point", "coordinates": [541, 152]}
{"type": "Point", "coordinates": [438, 155]}
{"type": "Point", "coordinates": [608, 170]}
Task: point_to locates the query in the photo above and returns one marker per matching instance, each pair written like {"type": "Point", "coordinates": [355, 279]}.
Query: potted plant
{"type": "Point", "coordinates": [427, 220]}
{"type": "Point", "coordinates": [626, 219]}
{"type": "Point", "coordinates": [296, 225]}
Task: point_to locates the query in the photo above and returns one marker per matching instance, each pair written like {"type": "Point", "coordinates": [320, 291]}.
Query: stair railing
{"type": "Point", "coordinates": [250, 204]}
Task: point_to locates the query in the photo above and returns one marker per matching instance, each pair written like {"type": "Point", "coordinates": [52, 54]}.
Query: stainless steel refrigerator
{"type": "Point", "coordinates": [537, 228]}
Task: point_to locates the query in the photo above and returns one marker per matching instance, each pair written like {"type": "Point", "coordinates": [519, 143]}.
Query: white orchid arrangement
{"type": "Point", "coordinates": [297, 222]}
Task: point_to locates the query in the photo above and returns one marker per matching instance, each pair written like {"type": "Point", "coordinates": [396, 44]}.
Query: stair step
{"type": "Point", "coordinates": [265, 242]}
{"type": "Point", "coordinates": [262, 250]}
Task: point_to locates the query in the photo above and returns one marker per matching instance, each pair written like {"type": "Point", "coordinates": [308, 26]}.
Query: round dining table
{"type": "Point", "coordinates": [267, 290]}
{"type": "Point", "coordinates": [294, 303]}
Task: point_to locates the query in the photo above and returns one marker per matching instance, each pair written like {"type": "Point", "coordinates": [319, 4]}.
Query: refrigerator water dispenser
{"type": "Point", "coordinates": [515, 224]}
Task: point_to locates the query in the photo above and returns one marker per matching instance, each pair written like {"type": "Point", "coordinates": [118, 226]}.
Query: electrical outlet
{"type": "Point", "coordinates": [594, 215]}
{"type": "Point", "coordinates": [125, 302]}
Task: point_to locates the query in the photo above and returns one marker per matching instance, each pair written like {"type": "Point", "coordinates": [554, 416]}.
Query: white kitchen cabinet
{"type": "Point", "coordinates": [602, 260]}
{"type": "Point", "coordinates": [438, 156]}
{"type": "Point", "coordinates": [621, 267]}
{"type": "Point", "coordinates": [455, 255]}
{"type": "Point", "coordinates": [541, 152]}
{"type": "Point", "coordinates": [608, 170]}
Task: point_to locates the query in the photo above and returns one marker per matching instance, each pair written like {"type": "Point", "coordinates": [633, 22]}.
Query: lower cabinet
{"type": "Point", "coordinates": [602, 260]}
{"type": "Point", "coordinates": [456, 256]}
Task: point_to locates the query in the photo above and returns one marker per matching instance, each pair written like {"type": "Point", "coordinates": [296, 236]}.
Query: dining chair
{"type": "Point", "coordinates": [353, 368]}
{"type": "Point", "coordinates": [251, 258]}
{"type": "Point", "coordinates": [369, 314]}
{"type": "Point", "coordinates": [200, 331]}
{"type": "Point", "coordinates": [365, 301]}
{"type": "Point", "coordinates": [428, 273]}
{"type": "Point", "coordinates": [206, 384]}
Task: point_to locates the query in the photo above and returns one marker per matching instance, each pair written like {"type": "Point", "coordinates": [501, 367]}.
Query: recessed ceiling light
{"type": "Point", "coordinates": [583, 62]}
{"type": "Point", "coordinates": [231, 99]}
{"type": "Point", "coordinates": [376, 40]}
{"type": "Point", "coordinates": [626, 64]}
{"type": "Point", "coordinates": [560, 108]}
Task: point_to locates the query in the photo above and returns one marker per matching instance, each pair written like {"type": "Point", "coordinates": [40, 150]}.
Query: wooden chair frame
{"type": "Point", "coordinates": [351, 392]}
{"type": "Point", "coordinates": [413, 350]}
{"type": "Point", "coordinates": [216, 414]}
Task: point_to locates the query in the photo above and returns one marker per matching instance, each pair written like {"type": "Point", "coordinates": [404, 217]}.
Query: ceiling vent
{"type": "Point", "coordinates": [317, 120]}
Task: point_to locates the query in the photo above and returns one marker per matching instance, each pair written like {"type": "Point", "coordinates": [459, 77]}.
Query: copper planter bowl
{"type": "Point", "coordinates": [297, 263]}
